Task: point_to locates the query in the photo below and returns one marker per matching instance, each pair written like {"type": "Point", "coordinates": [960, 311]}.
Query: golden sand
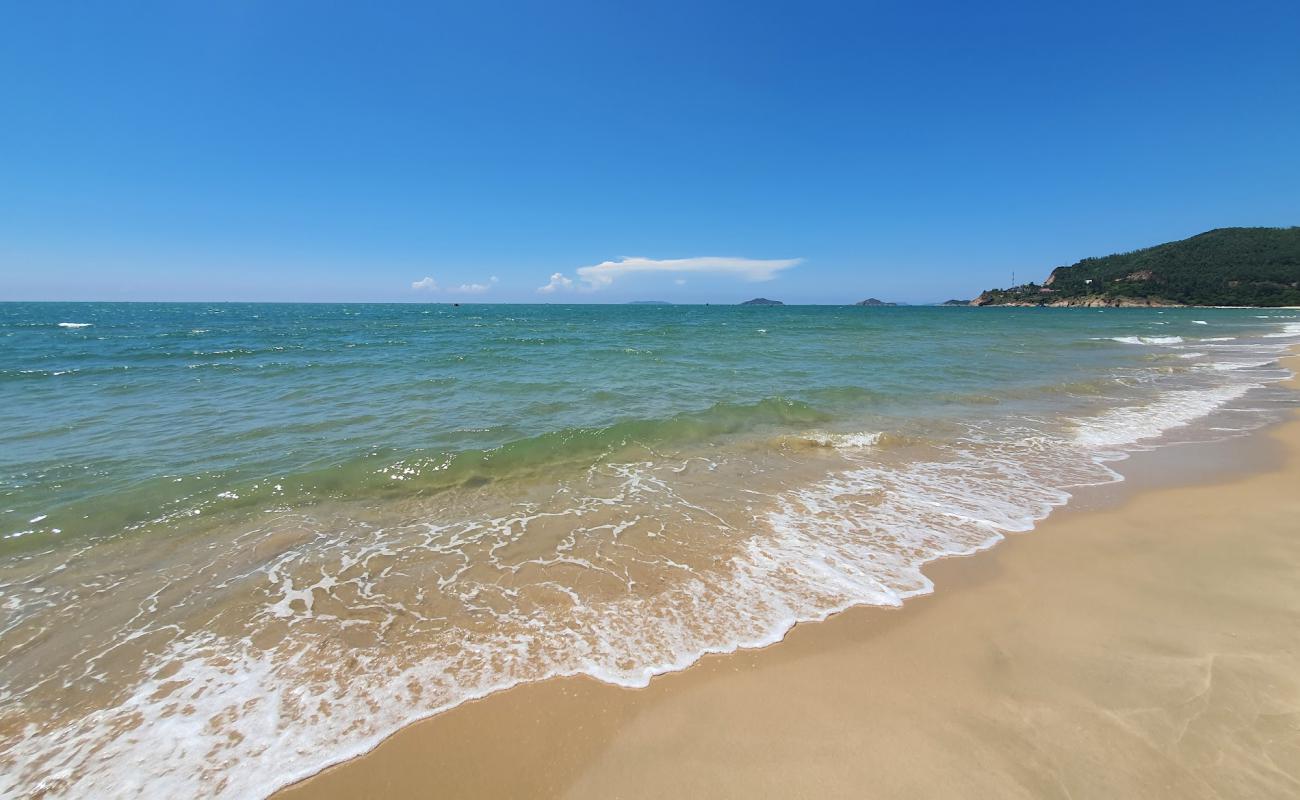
{"type": "Point", "coordinates": [1148, 648]}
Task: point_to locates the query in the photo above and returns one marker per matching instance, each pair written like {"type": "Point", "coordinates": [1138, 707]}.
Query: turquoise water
{"type": "Point", "coordinates": [456, 499]}
{"type": "Point", "coordinates": [105, 418]}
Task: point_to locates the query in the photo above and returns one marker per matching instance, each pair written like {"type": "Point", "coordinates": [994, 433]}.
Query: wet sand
{"type": "Point", "coordinates": [1144, 642]}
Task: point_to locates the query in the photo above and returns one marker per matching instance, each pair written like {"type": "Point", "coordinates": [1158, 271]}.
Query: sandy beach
{"type": "Point", "coordinates": [1144, 642]}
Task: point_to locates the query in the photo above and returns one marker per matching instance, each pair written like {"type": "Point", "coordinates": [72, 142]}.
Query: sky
{"type": "Point", "coordinates": [605, 152]}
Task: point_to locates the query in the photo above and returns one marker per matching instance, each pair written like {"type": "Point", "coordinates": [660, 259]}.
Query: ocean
{"type": "Point", "coordinates": [241, 542]}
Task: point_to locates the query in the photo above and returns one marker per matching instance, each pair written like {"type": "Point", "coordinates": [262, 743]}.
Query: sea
{"type": "Point", "coordinates": [242, 542]}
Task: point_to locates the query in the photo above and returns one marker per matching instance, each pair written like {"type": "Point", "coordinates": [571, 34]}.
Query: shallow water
{"type": "Point", "coordinates": [241, 542]}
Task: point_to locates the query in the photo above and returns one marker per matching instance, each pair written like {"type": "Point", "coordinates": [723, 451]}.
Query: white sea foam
{"type": "Point", "coordinates": [844, 440]}
{"type": "Point", "coordinates": [1147, 339]}
{"type": "Point", "coordinates": [1199, 322]}
{"type": "Point", "coordinates": [75, 324]}
{"type": "Point", "coordinates": [1288, 330]}
{"type": "Point", "coordinates": [1232, 366]}
{"type": "Point", "coordinates": [1133, 424]}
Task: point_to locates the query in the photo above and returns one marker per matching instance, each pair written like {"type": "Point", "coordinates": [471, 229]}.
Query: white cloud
{"type": "Point", "coordinates": [679, 281]}
{"type": "Point", "coordinates": [748, 269]}
{"type": "Point", "coordinates": [428, 284]}
{"type": "Point", "coordinates": [558, 281]}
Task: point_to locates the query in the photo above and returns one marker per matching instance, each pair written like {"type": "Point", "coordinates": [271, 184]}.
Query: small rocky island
{"type": "Point", "coordinates": [871, 301]}
{"type": "Point", "coordinates": [762, 301]}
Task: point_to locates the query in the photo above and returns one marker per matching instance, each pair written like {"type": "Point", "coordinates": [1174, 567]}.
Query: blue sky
{"type": "Point", "coordinates": [811, 152]}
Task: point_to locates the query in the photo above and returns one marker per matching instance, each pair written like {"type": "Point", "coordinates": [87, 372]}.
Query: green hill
{"type": "Point", "coordinates": [1223, 267]}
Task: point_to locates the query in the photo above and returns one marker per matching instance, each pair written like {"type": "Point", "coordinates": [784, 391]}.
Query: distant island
{"type": "Point", "coordinates": [871, 301]}
{"type": "Point", "coordinates": [1222, 267]}
{"type": "Point", "coordinates": [955, 303]}
{"type": "Point", "coordinates": [762, 301]}
{"type": "Point", "coordinates": [648, 303]}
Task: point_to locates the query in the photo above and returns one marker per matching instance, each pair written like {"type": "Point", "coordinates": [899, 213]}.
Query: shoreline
{"type": "Point", "coordinates": [580, 737]}
{"type": "Point", "coordinates": [298, 623]}
{"type": "Point", "coordinates": [1094, 302]}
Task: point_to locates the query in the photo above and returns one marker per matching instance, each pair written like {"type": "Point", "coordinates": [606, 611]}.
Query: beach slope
{"type": "Point", "coordinates": [1148, 646]}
